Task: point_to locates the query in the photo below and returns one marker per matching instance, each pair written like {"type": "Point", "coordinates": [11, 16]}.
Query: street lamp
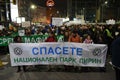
{"type": "Point", "coordinates": [32, 7]}
{"type": "Point", "coordinates": [106, 2]}
{"type": "Point", "coordinates": [102, 9]}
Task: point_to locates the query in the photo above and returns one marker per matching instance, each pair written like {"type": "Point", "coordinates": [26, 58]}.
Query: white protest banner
{"type": "Point", "coordinates": [26, 24]}
{"type": "Point", "coordinates": [57, 21]}
{"type": "Point", "coordinates": [77, 54]}
{"type": "Point", "coordinates": [110, 21]}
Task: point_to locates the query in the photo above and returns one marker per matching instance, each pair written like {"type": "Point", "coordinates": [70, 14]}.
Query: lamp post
{"type": "Point", "coordinates": [32, 7]}
{"type": "Point", "coordinates": [102, 10]}
{"type": "Point", "coordinates": [84, 14]}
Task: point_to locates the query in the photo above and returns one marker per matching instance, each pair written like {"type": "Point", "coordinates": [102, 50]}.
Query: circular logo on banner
{"type": "Point", "coordinates": [18, 51]}
{"type": "Point", "coordinates": [97, 52]}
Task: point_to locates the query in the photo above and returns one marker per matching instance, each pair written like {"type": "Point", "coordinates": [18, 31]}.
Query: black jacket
{"type": "Point", "coordinates": [115, 50]}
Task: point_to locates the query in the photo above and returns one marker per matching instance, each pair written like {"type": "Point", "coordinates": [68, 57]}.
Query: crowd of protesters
{"type": "Point", "coordinates": [98, 33]}
{"type": "Point", "coordinates": [88, 33]}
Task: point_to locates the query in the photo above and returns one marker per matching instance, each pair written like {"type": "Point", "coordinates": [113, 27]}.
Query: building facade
{"type": "Point", "coordinates": [94, 10]}
{"type": "Point", "coordinates": [38, 14]}
{"type": "Point", "coordinates": [5, 12]}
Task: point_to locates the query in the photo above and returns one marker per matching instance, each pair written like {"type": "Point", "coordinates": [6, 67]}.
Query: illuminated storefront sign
{"type": "Point", "coordinates": [50, 3]}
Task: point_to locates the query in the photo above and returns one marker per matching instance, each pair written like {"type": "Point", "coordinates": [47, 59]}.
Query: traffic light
{"type": "Point", "coordinates": [14, 2]}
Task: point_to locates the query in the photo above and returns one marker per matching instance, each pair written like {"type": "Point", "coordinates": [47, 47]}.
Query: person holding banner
{"type": "Point", "coordinates": [115, 50]}
{"type": "Point", "coordinates": [51, 38]}
{"type": "Point", "coordinates": [77, 39]}
{"type": "Point", "coordinates": [18, 39]}
{"type": "Point", "coordinates": [88, 40]}
{"type": "Point", "coordinates": [66, 36]}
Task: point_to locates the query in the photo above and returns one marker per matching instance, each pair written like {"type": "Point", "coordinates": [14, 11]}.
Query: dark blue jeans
{"type": "Point", "coordinates": [117, 73]}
